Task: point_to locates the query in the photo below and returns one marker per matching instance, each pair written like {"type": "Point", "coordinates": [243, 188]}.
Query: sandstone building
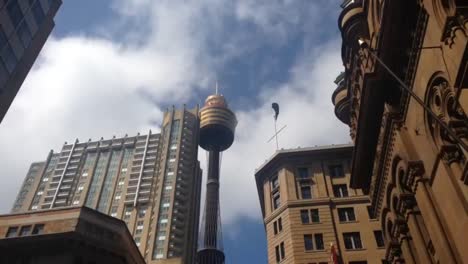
{"type": "Point", "coordinates": [24, 28]}
{"type": "Point", "coordinates": [310, 211]}
{"type": "Point", "coordinates": [415, 172]}
{"type": "Point", "coordinates": [66, 236]}
{"type": "Point", "coordinates": [152, 182]}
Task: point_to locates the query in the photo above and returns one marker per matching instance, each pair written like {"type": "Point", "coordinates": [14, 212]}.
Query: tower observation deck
{"type": "Point", "coordinates": [217, 127]}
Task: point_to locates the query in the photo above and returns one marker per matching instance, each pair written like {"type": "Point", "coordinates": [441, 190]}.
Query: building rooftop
{"type": "Point", "coordinates": [301, 151]}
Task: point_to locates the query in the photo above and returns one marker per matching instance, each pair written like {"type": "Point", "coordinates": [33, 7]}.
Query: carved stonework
{"type": "Point", "coordinates": [452, 25]}
{"type": "Point", "coordinates": [443, 102]}
{"type": "Point", "coordinates": [451, 153]}
{"type": "Point", "coordinates": [415, 169]}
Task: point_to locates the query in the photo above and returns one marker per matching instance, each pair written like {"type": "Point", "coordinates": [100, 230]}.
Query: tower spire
{"type": "Point", "coordinates": [216, 87]}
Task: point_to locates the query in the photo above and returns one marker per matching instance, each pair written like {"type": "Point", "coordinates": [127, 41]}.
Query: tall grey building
{"type": "Point", "coordinates": [24, 28]}
{"type": "Point", "coordinates": [152, 182]}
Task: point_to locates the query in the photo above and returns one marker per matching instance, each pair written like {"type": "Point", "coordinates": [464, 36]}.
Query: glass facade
{"type": "Point", "coordinates": [97, 178]}
{"type": "Point", "coordinates": [108, 187]}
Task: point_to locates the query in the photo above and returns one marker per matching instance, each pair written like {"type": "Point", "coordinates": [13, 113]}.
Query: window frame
{"type": "Point", "coordinates": [354, 238]}
{"type": "Point", "coordinates": [340, 190]}
{"type": "Point", "coordinates": [345, 212]}
{"type": "Point", "coordinates": [309, 188]}
{"type": "Point", "coordinates": [308, 242]}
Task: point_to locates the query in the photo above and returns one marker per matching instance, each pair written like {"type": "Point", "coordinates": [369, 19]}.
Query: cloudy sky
{"type": "Point", "coordinates": [111, 67]}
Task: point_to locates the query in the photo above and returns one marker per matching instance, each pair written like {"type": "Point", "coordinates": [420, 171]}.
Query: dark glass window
{"type": "Point", "coordinates": [274, 182]}
{"type": "Point", "coordinates": [25, 230]}
{"type": "Point", "coordinates": [283, 253]}
{"type": "Point", "coordinates": [379, 238]}
{"type": "Point", "coordinates": [275, 227]}
{"type": "Point", "coordinates": [303, 173]}
{"type": "Point", "coordinates": [305, 192]}
{"type": "Point", "coordinates": [38, 229]}
{"type": "Point", "coordinates": [12, 231]}
{"type": "Point", "coordinates": [24, 34]}
{"type": "Point", "coordinates": [319, 242]}
{"type": "Point", "coordinates": [305, 216]}
{"type": "Point", "coordinates": [15, 13]}
{"type": "Point", "coordinates": [7, 54]}
{"type": "Point", "coordinates": [352, 240]}
{"type": "Point", "coordinates": [336, 171]}
{"type": "Point", "coordinates": [340, 190]}
{"type": "Point", "coordinates": [315, 215]}
{"type": "Point", "coordinates": [38, 13]}
{"type": "Point", "coordinates": [277, 252]}
{"type": "Point", "coordinates": [308, 244]}
{"type": "Point", "coordinates": [276, 201]}
{"type": "Point", "coordinates": [280, 224]}
{"type": "Point", "coordinates": [346, 214]}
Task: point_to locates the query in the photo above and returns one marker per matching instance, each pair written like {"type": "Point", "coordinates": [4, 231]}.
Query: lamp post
{"type": "Point", "coordinates": [363, 44]}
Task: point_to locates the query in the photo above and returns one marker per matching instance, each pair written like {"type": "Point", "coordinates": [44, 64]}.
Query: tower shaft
{"type": "Point", "coordinates": [212, 201]}
{"type": "Point", "coordinates": [211, 252]}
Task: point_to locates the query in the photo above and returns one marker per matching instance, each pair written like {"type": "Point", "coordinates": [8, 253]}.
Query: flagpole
{"type": "Point", "coordinates": [276, 136]}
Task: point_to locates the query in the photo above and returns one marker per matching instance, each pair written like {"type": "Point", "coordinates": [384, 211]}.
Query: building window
{"type": "Point", "coordinates": [280, 253]}
{"type": "Point", "coordinates": [352, 240]}
{"type": "Point", "coordinates": [38, 229]}
{"type": "Point", "coordinates": [12, 231]}
{"type": "Point", "coordinates": [314, 213]}
{"type": "Point", "coordinates": [305, 216]}
{"type": "Point", "coordinates": [306, 192]}
{"type": "Point", "coordinates": [319, 242]}
{"type": "Point", "coordinates": [379, 238]}
{"type": "Point", "coordinates": [346, 214]}
{"type": "Point", "coordinates": [15, 13]}
{"type": "Point", "coordinates": [340, 190]}
{"type": "Point", "coordinates": [303, 173]}
{"type": "Point", "coordinates": [24, 34]}
{"type": "Point", "coordinates": [336, 171]}
{"type": "Point", "coordinates": [358, 262]}
{"type": "Point", "coordinates": [274, 182]}
{"type": "Point", "coordinates": [277, 226]}
{"type": "Point", "coordinates": [38, 13]}
{"type": "Point", "coordinates": [276, 201]}
{"type": "Point", "coordinates": [308, 244]}
{"type": "Point", "coordinates": [25, 230]}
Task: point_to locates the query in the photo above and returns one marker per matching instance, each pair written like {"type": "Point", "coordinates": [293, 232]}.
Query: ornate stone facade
{"type": "Point", "coordinates": [415, 172]}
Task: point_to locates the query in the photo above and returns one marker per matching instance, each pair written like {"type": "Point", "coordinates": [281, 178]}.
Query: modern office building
{"type": "Point", "coordinates": [70, 235]}
{"type": "Point", "coordinates": [24, 28]}
{"type": "Point", "coordinates": [217, 127]}
{"type": "Point", "coordinates": [152, 182]}
{"type": "Point", "coordinates": [410, 137]}
{"type": "Point", "coordinates": [311, 214]}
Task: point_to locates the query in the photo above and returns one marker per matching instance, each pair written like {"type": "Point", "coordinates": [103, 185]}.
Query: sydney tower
{"type": "Point", "coordinates": [217, 126]}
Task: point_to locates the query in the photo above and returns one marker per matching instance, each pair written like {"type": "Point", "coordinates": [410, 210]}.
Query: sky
{"type": "Point", "coordinates": [111, 67]}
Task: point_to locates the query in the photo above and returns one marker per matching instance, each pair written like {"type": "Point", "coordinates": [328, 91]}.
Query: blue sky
{"type": "Point", "coordinates": [112, 66]}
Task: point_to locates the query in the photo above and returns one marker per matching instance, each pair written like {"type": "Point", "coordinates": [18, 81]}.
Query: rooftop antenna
{"type": "Point", "coordinates": [216, 87]}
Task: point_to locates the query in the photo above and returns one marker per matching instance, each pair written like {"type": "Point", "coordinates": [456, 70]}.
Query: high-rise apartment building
{"type": "Point", "coordinates": [24, 28]}
{"type": "Point", "coordinates": [311, 214]}
{"type": "Point", "coordinates": [404, 95]}
{"type": "Point", "coordinates": [152, 182]}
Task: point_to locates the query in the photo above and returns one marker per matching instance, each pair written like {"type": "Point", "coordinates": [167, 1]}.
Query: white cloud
{"type": "Point", "coordinates": [91, 86]}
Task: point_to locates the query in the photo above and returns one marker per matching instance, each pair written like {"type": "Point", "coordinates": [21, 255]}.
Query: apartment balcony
{"type": "Point", "coordinates": [145, 184]}
{"type": "Point", "coordinates": [67, 180]}
{"type": "Point", "coordinates": [63, 194]}
{"type": "Point", "coordinates": [72, 167]}
{"type": "Point", "coordinates": [176, 238]}
{"type": "Point", "coordinates": [143, 199]}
